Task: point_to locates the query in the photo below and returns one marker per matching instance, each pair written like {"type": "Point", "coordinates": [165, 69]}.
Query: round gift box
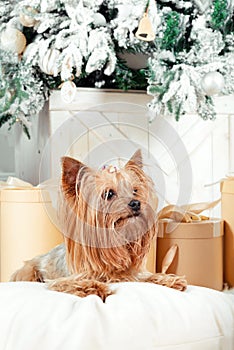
{"type": "Point", "coordinates": [227, 204]}
{"type": "Point", "coordinates": [26, 227]}
{"type": "Point", "coordinates": [200, 250]}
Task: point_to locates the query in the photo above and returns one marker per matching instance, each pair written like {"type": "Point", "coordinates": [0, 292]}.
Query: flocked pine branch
{"type": "Point", "coordinates": [85, 40]}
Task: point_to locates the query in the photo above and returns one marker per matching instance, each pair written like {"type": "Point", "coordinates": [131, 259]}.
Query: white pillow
{"type": "Point", "coordinates": [138, 316]}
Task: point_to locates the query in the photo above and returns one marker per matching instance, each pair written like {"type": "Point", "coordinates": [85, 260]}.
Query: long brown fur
{"type": "Point", "coordinates": [106, 240]}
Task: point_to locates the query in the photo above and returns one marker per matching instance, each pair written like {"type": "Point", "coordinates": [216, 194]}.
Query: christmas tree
{"type": "Point", "coordinates": [46, 44]}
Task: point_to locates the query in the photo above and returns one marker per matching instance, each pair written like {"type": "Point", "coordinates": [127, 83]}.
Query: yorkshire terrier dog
{"type": "Point", "coordinates": [109, 220]}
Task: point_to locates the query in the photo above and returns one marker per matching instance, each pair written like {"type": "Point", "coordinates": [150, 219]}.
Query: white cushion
{"type": "Point", "coordinates": [138, 316]}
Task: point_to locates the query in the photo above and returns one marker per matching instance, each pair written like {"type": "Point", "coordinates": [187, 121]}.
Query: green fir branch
{"type": "Point", "coordinates": [169, 106]}
{"type": "Point", "coordinates": [178, 6]}
{"type": "Point", "coordinates": [178, 111]}
{"type": "Point", "coordinates": [26, 131]}
{"type": "Point", "coordinates": [4, 119]}
{"type": "Point", "coordinates": [156, 89]}
{"type": "Point", "coordinates": [172, 31]}
{"type": "Point", "coordinates": [219, 15]}
{"type": "Point", "coordinates": [127, 79]}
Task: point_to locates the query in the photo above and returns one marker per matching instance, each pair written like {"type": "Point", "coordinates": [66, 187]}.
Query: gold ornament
{"type": "Point", "coordinates": [27, 18]}
{"type": "Point", "coordinates": [47, 62]}
{"type": "Point", "coordinates": [145, 30]}
{"type": "Point", "coordinates": [13, 40]}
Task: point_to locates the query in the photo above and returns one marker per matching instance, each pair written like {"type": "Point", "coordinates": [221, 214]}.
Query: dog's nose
{"type": "Point", "coordinates": [135, 205]}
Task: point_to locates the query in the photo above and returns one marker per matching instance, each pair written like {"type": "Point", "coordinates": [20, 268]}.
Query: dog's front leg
{"type": "Point", "coordinates": [168, 280]}
{"type": "Point", "coordinates": [80, 287]}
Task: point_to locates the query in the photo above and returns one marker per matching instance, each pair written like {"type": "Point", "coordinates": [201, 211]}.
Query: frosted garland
{"type": "Point", "coordinates": [80, 38]}
{"type": "Point", "coordinates": [185, 89]}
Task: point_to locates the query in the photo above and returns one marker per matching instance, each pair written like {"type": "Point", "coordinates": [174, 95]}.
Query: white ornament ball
{"type": "Point", "coordinates": [125, 11]}
{"type": "Point", "coordinates": [99, 20]}
{"type": "Point", "coordinates": [68, 91]}
{"type": "Point", "coordinates": [212, 83]}
{"type": "Point", "coordinates": [28, 20]}
{"type": "Point", "coordinates": [47, 62]}
{"type": "Point", "coordinates": [13, 40]}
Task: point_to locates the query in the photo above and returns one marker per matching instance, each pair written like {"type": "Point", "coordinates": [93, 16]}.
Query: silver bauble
{"type": "Point", "coordinates": [212, 83]}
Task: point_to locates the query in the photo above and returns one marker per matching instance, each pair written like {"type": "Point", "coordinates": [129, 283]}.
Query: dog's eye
{"type": "Point", "coordinates": [134, 191]}
{"type": "Point", "coordinates": [109, 194]}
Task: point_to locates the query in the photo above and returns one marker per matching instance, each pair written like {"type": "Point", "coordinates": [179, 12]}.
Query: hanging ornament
{"type": "Point", "coordinates": [27, 17]}
{"type": "Point", "coordinates": [47, 63]}
{"type": "Point", "coordinates": [99, 20]}
{"type": "Point", "coordinates": [68, 91]}
{"type": "Point", "coordinates": [13, 40]}
{"type": "Point", "coordinates": [145, 30]}
{"type": "Point", "coordinates": [212, 83]}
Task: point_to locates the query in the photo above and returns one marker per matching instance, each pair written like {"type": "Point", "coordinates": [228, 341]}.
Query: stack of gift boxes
{"type": "Point", "coordinates": [202, 250]}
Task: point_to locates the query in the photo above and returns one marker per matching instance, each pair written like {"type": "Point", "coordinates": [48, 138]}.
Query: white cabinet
{"type": "Point", "coordinates": [101, 126]}
{"type": "Point", "coordinates": [20, 156]}
{"type": "Point", "coordinates": [7, 153]}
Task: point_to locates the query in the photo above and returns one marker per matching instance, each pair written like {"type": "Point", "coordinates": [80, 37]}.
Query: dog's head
{"type": "Point", "coordinates": [109, 214]}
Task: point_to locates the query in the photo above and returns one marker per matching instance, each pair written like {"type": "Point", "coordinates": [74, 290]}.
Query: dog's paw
{"type": "Point", "coordinates": [81, 288]}
{"type": "Point", "coordinates": [168, 280]}
{"type": "Point", "coordinates": [29, 272]}
{"type": "Point", "coordinates": [178, 282]}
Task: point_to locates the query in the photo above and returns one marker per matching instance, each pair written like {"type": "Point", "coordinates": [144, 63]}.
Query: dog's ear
{"type": "Point", "coordinates": [135, 160]}
{"type": "Point", "coordinates": [72, 172]}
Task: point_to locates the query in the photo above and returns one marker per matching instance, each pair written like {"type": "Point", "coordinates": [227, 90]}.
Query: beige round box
{"type": "Point", "coordinates": [26, 228]}
{"type": "Point", "coordinates": [151, 257]}
{"type": "Point", "coordinates": [200, 250]}
{"type": "Point", "coordinates": [227, 205]}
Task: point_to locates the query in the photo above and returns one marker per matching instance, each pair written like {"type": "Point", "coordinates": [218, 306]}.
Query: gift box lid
{"type": "Point", "coordinates": [227, 185]}
{"type": "Point", "coordinates": [19, 195]}
{"type": "Point", "coordinates": [190, 230]}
